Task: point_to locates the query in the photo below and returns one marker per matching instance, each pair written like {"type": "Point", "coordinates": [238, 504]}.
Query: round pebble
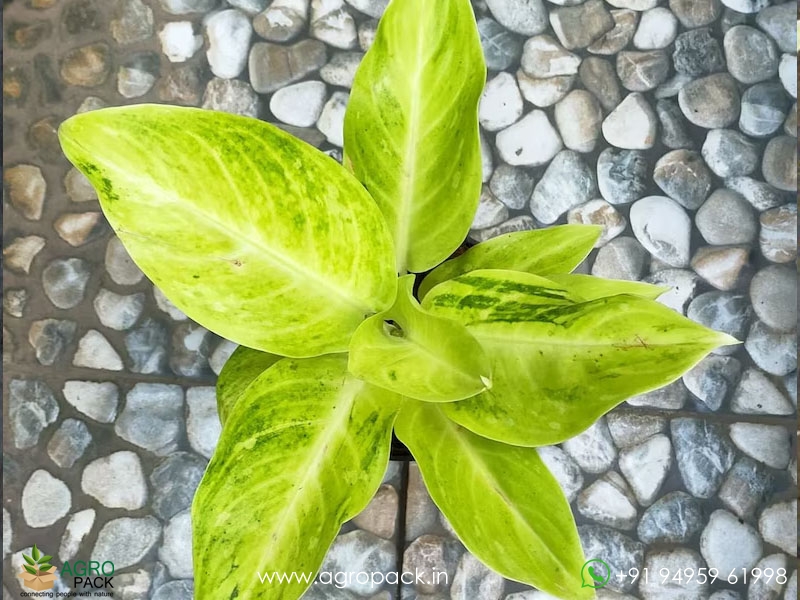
{"type": "Point", "coordinates": [711, 102]}
{"type": "Point", "coordinates": [500, 104]}
{"type": "Point", "coordinates": [684, 177]}
{"type": "Point", "coordinates": [657, 29]}
{"type": "Point", "coordinates": [728, 153]}
{"type": "Point", "coordinates": [773, 351]}
{"type": "Point", "coordinates": [578, 117]}
{"type": "Point", "coordinates": [764, 109]}
{"type": "Point", "coordinates": [777, 236]}
{"type": "Point", "coordinates": [45, 499]}
{"type": "Point", "coordinates": [532, 141]}
{"type": "Point", "coordinates": [726, 218]}
{"type": "Point", "coordinates": [299, 104]}
{"type": "Point", "coordinates": [750, 54]}
{"type": "Point", "coordinates": [663, 228]}
{"type": "Point", "coordinates": [526, 17]}
{"type": "Point", "coordinates": [779, 163]}
{"type": "Point", "coordinates": [632, 124]}
{"type": "Point", "coordinates": [566, 183]}
{"type": "Point", "coordinates": [773, 292]}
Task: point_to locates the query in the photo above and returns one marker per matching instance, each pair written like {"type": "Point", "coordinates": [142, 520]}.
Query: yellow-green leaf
{"type": "Point", "coordinates": [417, 354]}
{"type": "Point", "coordinates": [539, 252]}
{"type": "Point", "coordinates": [303, 450]}
{"type": "Point", "coordinates": [559, 363]}
{"type": "Point", "coordinates": [252, 233]}
{"type": "Point", "coordinates": [501, 500]}
{"type": "Point", "coordinates": [411, 127]}
{"type": "Point", "coordinates": [588, 287]}
{"type": "Point", "coordinates": [242, 368]}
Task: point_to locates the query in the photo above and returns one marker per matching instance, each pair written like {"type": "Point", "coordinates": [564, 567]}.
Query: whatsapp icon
{"type": "Point", "coordinates": [595, 573]}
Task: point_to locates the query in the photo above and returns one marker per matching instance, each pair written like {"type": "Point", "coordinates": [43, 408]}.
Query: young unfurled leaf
{"type": "Point", "coordinates": [539, 252]}
{"type": "Point", "coordinates": [592, 288]}
{"type": "Point", "coordinates": [411, 127]}
{"type": "Point", "coordinates": [30, 569]}
{"type": "Point", "coordinates": [252, 233]}
{"type": "Point", "coordinates": [28, 559]}
{"type": "Point", "coordinates": [242, 368]}
{"type": "Point", "coordinates": [35, 554]}
{"type": "Point", "coordinates": [505, 506]}
{"type": "Point", "coordinates": [418, 355]}
{"type": "Point", "coordinates": [303, 450]}
{"type": "Point", "coordinates": [558, 363]}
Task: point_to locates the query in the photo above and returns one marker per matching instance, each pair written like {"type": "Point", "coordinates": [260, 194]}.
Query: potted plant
{"type": "Point", "coordinates": [351, 326]}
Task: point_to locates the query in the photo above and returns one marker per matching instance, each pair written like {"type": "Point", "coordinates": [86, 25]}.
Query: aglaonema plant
{"type": "Point", "coordinates": [311, 267]}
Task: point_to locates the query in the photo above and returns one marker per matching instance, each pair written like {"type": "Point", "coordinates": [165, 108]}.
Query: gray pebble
{"type": "Point", "coordinates": [713, 379]}
{"type": "Point", "coordinates": [768, 444]}
{"type": "Point", "coordinates": [746, 487]}
{"type": "Point", "coordinates": [526, 17]}
{"type": "Point", "coordinates": [669, 397]}
{"type": "Point", "coordinates": [703, 453]}
{"type": "Point", "coordinates": [683, 285]}
{"type": "Point", "coordinates": [119, 264]}
{"type": "Point", "coordinates": [126, 541]}
{"type": "Point", "coordinates": [674, 519]}
{"type": "Point", "coordinates": [45, 499]}
{"type": "Point", "coordinates": [232, 96]}
{"type": "Point", "coordinates": [696, 13]}
{"type": "Point", "coordinates": [756, 394]}
{"type": "Point", "coordinates": [609, 501]}
{"type": "Point", "coordinates": [622, 175]}
{"type": "Point", "coordinates": [663, 228]}
{"type": "Point", "coordinates": [621, 258]}
{"type": "Point", "coordinates": [711, 102]}
{"type": "Point", "coordinates": [779, 163]}
{"type": "Point", "coordinates": [137, 75]}
{"type": "Point", "coordinates": [64, 281]}
{"type": "Point", "coordinates": [578, 26]}
{"type": "Point", "coordinates": [177, 537]}
{"type": "Point", "coordinates": [726, 218]}
{"type": "Point", "coordinates": [566, 183]}
{"type": "Point", "coordinates": [697, 53]}
{"type": "Point", "coordinates": [228, 33]}
{"type": "Point", "coordinates": [777, 21]}
{"type": "Point", "coordinates": [777, 236]}
{"type": "Point", "coordinates": [684, 177]}
{"type": "Point", "coordinates": [764, 109]}
{"type": "Point", "coordinates": [50, 337]}
{"type": "Point", "coordinates": [773, 292]}
{"type": "Point", "coordinates": [31, 408]}
{"type": "Point", "coordinates": [751, 54]}
{"type": "Point", "coordinates": [341, 69]}
{"type": "Point", "coordinates": [728, 153]}
{"type": "Point", "coordinates": [273, 67]}
{"type": "Point", "coordinates": [520, 223]}
{"type": "Point", "coordinates": [283, 21]}
{"type": "Point", "coordinates": [620, 36]}
{"type": "Point", "coordinates": [722, 311]}
{"type": "Point", "coordinates": [513, 186]}
{"type": "Point", "coordinates": [773, 351]}
{"type": "Point", "coordinates": [598, 76]}
{"type": "Point", "coordinates": [190, 347]}
{"type": "Point", "coordinates": [427, 554]}
{"type": "Point", "coordinates": [118, 311]}
{"type": "Point", "coordinates": [674, 133]}
{"type": "Point", "coordinates": [68, 443]}
{"type": "Point", "coordinates": [174, 481]}
{"type": "Point", "coordinates": [501, 48]}
{"type": "Point", "coordinates": [15, 301]}
{"type": "Point", "coordinates": [96, 400]}
{"type": "Point", "coordinates": [642, 71]}
{"type": "Point", "coordinates": [152, 418]}
{"type": "Point", "coordinates": [760, 195]}
{"type": "Point", "coordinates": [564, 469]}
{"type": "Point", "coordinates": [578, 117]}
{"type": "Point", "coordinates": [132, 22]}
{"type": "Point", "coordinates": [618, 551]}
{"type": "Point", "coordinates": [96, 352]}
{"type": "Point", "coordinates": [116, 481]}
{"type": "Point", "coordinates": [746, 6]}
{"type": "Point", "coordinates": [147, 347]}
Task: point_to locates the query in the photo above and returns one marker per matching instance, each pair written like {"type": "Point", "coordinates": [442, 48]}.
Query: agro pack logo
{"type": "Point", "coordinates": [92, 578]}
